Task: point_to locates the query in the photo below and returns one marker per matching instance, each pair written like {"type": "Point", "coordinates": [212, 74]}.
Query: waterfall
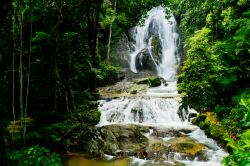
{"type": "Point", "coordinates": [159, 30]}
{"type": "Point", "coordinates": [155, 111]}
{"type": "Point", "coordinates": [155, 48]}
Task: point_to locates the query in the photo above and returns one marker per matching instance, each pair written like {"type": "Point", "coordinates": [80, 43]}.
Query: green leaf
{"type": "Point", "coordinates": [40, 36]}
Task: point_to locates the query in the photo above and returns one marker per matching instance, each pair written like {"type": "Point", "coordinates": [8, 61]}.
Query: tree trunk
{"type": "Point", "coordinates": [13, 66]}
{"type": "Point", "coordinates": [20, 20]}
{"type": "Point", "coordinates": [110, 35]}
{"type": "Point", "coordinates": [93, 11]}
{"type": "Point", "coordinates": [28, 72]}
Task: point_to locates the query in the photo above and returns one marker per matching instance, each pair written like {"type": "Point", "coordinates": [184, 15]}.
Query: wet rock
{"type": "Point", "coordinates": [123, 88]}
{"type": "Point", "coordinates": [173, 163]}
{"type": "Point", "coordinates": [124, 140]}
{"type": "Point", "coordinates": [152, 81]}
{"type": "Point", "coordinates": [116, 116]}
{"type": "Point", "coordinates": [192, 115]}
{"type": "Point", "coordinates": [130, 76]}
{"type": "Point", "coordinates": [170, 133]}
{"type": "Point", "coordinates": [153, 27]}
{"type": "Point", "coordinates": [156, 49]}
{"type": "Point", "coordinates": [212, 127]}
{"type": "Point", "coordinates": [188, 148]}
{"type": "Point", "coordinates": [138, 114]}
{"type": "Point", "coordinates": [111, 143]}
{"type": "Point", "coordinates": [133, 92]}
{"type": "Point", "coordinates": [182, 113]}
{"type": "Point", "coordinates": [198, 119]}
{"type": "Point", "coordinates": [144, 61]}
{"type": "Point", "coordinates": [108, 99]}
{"type": "Point", "coordinates": [157, 151]}
{"type": "Point", "coordinates": [131, 140]}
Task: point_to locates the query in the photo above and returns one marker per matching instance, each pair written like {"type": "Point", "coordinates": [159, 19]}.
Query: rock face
{"type": "Point", "coordinates": [188, 147]}
{"type": "Point", "coordinates": [153, 27]}
{"type": "Point", "coordinates": [145, 62]}
{"type": "Point", "coordinates": [123, 88]}
{"type": "Point", "coordinates": [119, 52]}
{"type": "Point", "coordinates": [124, 140]}
{"type": "Point", "coordinates": [143, 142]}
{"type": "Point", "coordinates": [156, 48]}
{"type": "Point", "coordinates": [138, 113]}
{"type": "Point", "coordinates": [149, 57]}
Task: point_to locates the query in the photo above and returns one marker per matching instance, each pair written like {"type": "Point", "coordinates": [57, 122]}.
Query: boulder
{"type": "Point", "coordinates": [134, 140]}
{"type": "Point", "coordinates": [182, 113]}
{"type": "Point", "coordinates": [158, 132]}
{"type": "Point", "coordinates": [152, 81]}
{"type": "Point", "coordinates": [124, 140]}
{"type": "Point", "coordinates": [192, 115]}
{"type": "Point", "coordinates": [144, 61]}
{"type": "Point", "coordinates": [138, 114]}
{"type": "Point", "coordinates": [188, 147]}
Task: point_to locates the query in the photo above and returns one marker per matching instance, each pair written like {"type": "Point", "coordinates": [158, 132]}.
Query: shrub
{"type": "Point", "coordinates": [35, 156]}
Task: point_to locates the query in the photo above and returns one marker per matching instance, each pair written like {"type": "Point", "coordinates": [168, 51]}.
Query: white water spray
{"type": "Point", "coordinates": [168, 58]}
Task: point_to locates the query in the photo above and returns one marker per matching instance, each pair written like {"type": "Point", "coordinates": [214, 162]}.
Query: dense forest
{"type": "Point", "coordinates": [54, 54]}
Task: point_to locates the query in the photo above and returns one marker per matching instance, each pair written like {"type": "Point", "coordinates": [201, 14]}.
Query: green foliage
{"type": "Point", "coordinates": [246, 104]}
{"type": "Point", "coordinates": [215, 72]}
{"type": "Point", "coordinates": [196, 82]}
{"type": "Point", "coordinates": [241, 150]}
{"type": "Point", "coordinates": [40, 36]}
{"type": "Point", "coordinates": [87, 117]}
{"type": "Point", "coordinates": [35, 156]}
{"type": "Point", "coordinates": [236, 119]}
{"type": "Point", "coordinates": [108, 17]}
{"type": "Point", "coordinates": [106, 74]}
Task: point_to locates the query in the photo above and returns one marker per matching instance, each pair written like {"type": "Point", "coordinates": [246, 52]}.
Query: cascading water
{"type": "Point", "coordinates": [161, 32]}
{"type": "Point", "coordinates": [153, 110]}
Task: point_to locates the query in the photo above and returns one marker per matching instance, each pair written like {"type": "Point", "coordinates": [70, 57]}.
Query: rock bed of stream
{"type": "Point", "coordinates": [149, 128]}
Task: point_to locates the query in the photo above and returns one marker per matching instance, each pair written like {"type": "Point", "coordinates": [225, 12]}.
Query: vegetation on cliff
{"type": "Point", "coordinates": [215, 71]}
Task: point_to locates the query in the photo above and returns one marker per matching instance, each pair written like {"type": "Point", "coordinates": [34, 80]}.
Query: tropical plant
{"type": "Point", "coordinates": [35, 156]}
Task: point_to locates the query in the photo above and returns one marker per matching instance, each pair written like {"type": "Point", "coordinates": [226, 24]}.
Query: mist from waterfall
{"type": "Point", "coordinates": [163, 25]}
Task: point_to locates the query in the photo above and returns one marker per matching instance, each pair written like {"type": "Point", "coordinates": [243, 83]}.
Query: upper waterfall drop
{"type": "Point", "coordinates": [155, 45]}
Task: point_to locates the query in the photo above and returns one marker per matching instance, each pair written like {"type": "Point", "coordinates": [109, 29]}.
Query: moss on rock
{"type": "Point", "coordinates": [187, 146]}
{"type": "Point", "coordinates": [152, 81]}
{"type": "Point", "coordinates": [212, 127]}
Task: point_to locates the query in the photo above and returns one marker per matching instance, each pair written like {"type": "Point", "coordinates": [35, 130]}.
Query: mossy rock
{"type": "Point", "coordinates": [123, 139]}
{"type": "Point", "coordinates": [150, 163]}
{"type": "Point", "coordinates": [151, 81]}
{"type": "Point", "coordinates": [157, 147]}
{"type": "Point", "coordinates": [187, 146]}
{"type": "Point", "coordinates": [156, 48]}
{"type": "Point", "coordinates": [154, 81]}
{"type": "Point", "coordinates": [212, 127]}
